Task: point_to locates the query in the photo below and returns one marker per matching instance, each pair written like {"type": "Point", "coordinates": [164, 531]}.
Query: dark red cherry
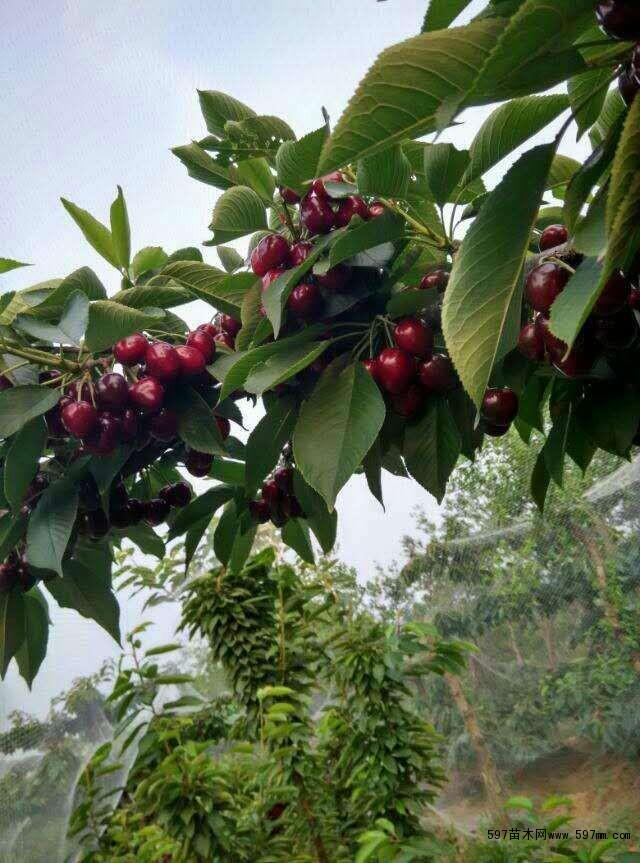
{"type": "Point", "coordinates": [614, 296]}
{"type": "Point", "coordinates": [8, 577]}
{"type": "Point", "coordinates": [283, 478]}
{"type": "Point", "coordinates": [376, 209]}
{"type": "Point", "coordinates": [620, 19]}
{"type": "Point", "coordinates": [396, 370]}
{"type": "Point", "coordinates": [126, 515]}
{"type": "Point", "coordinates": [156, 511]}
{"type": "Point", "coordinates": [271, 276]}
{"type": "Point", "coordinates": [438, 375]}
{"type": "Point", "coordinates": [203, 342]}
{"type": "Point", "coordinates": [435, 280]}
{"type": "Point", "coordinates": [318, 187]}
{"type": "Point", "coordinates": [79, 418]}
{"type": "Point", "coordinates": [80, 391]}
{"type": "Point", "coordinates": [164, 425]}
{"type": "Point", "coordinates": [162, 361]}
{"type": "Point", "coordinates": [554, 235]}
{"type": "Point", "coordinates": [578, 363]}
{"type": "Point", "coordinates": [316, 215]}
{"type": "Point", "coordinates": [544, 284]}
{"type": "Point", "coordinates": [198, 463]}
{"type": "Point", "coordinates": [5, 383]}
{"type": "Point", "coordinates": [371, 366]}
{"type": "Point", "coordinates": [289, 196]}
{"type": "Point", "coordinates": [413, 336]}
{"type": "Point", "coordinates": [299, 253]}
{"type": "Point", "coordinates": [305, 301]}
{"type": "Point", "coordinates": [494, 430]}
{"type": "Point", "coordinates": [225, 339]}
{"type": "Point", "coordinates": [177, 495]}
{"type": "Point", "coordinates": [224, 427]}
{"type": "Point", "coordinates": [336, 279]}
{"type": "Point", "coordinates": [260, 511]}
{"type": "Point", "coordinates": [291, 507]}
{"type": "Point", "coordinates": [531, 342]}
{"type": "Point", "coordinates": [112, 391]}
{"type": "Point", "coordinates": [634, 299]}
{"type": "Point", "coordinates": [147, 394]}
{"type": "Point", "coordinates": [106, 435]}
{"type": "Point", "coordinates": [349, 207]}
{"type": "Point", "coordinates": [131, 349]}
{"type": "Point", "coordinates": [192, 362]}
{"type": "Point", "coordinates": [208, 328]}
{"type": "Point", "coordinates": [555, 347]}
{"type": "Point", "coordinates": [271, 492]}
{"type": "Point", "coordinates": [500, 406]}
{"type": "Point", "coordinates": [229, 324]}
{"type": "Point", "coordinates": [271, 252]}
{"type": "Point", "coordinates": [408, 404]}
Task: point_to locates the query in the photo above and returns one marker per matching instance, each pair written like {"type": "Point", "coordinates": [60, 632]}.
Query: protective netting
{"type": "Point", "coordinates": [549, 703]}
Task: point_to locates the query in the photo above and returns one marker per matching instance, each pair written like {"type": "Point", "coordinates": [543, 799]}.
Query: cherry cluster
{"type": "Point", "coordinates": [620, 19]}
{"type": "Point", "coordinates": [611, 327]}
{"type": "Point", "coordinates": [277, 502]}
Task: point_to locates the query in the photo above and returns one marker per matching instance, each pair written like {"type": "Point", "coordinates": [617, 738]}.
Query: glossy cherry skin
{"type": "Point", "coordinates": [156, 511]}
{"type": "Point", "coordinates": [106, 435]}
{"type": "Point", "coordinates": [271, 276]}
{"type": "Point", "coordinates": [544, 284]}
{"type": "Point", "coordinates": [438, 375]}
{"type": "Point", "coordinates": [554, 235]}
{"type": "Point", "coordinates": [283, 478]}
{"type": "Point", "coordinates": [228, 324]}
{"type": "Point", "coordinates": [198, 463]}
{"type": "Point", "coordinates": [289, 196]}
{"type": "Point", "coordinates": [192, 362]}
{"type": "Point", "coordinates": [371, 366]}
{"type": "Point", "coordinates": [299, 253]}
{"type": "Point", "coordinates": [112, 391]}
{"type": "Point", "coordinates": [260, 511]}
{"type": "Point", "coordinates": [620, 19]}
{"type": "Point", "coordinates": [80, 391]}
{"type": "Point", "coordinates": [271, 252]}
{"type": "Point", "coordinates": [408, 404]}
{"type": "Point", "coordinates": [500, 406]}
{"type": "Point", "coordinates": [208, 328]}
{"type": "Point", "coordinates": [318, 187]}
{"type": "Point", "coordinates": [271, 493]}
{"type": "Point", "coordinates": [147, 394]}
{"type": "Point", "coordinates": [5, 383]}
{"type": "Point", "coordinates": [336, 279]}
{"type": "Point", "coordinates": [131, 349]}
{"type": "Point", "coordinates": [203, 342]}
{"type": "Point", "coordinates": [555, 347]}
{"type": "Point", "coordinates": [350, 207]}
{"type": "Point", "coordinates": [177, 495]}
{"type": "Point", "coordinates": [413, 336]}
{"type": "Point", "coordinates": [305, 301]}
{"type": "Point", "coordinates": [494, 430]}
{"type": "Point", "coordinates": [531, 342]}
{"type": "Point", "coordinates": [164, 425]}
{"type": "Point", "coordinates": [614, 296]}
{"type": "Point", "coordinates": [224, 427]}
{"type": "Point", "coordinates": [79, 418]}
{"type": "Point", "coordinates": [162, 361]}
{"type": "Point", "coordinates": [396, 370]}
{"type": "Point", "coordinates": [436, 280]}
{"type": "Point", "coordinates": [376, 209]}
{"type": "Point", "coordinates": [227, 340]}
{"type": "Point", "coordinates": [316, 215]}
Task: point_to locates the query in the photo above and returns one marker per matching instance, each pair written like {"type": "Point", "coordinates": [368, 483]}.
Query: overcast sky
{"type": "Point", "coordinates": [95, 94]}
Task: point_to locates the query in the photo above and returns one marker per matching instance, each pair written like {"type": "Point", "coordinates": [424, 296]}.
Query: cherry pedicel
{"type": "Point", "coordinates": [79, 418]}
{"type": "Point", "coordinates": [147, 394]}
{"type": "Point", "coordinates": [413, 336]}
{"type": "Point", "coordinates": [554, 235]}
{"type": "Point", "coordinates": [500, 406]}
{"type": "Point", "coordinates": [408, 404]}
{"type": "Point", "coordinates": [396, 370]}
{"type": "Point", "coordinates": [131, 350]}
{"type": "Point", "coordinates": [203, 342]}
{"type": "Point", "coordinates": [438, 375]}
{"type": "Point", "coordinates": [348, 208]}
{"type": "Point", "coordinates": [305, 301]}
{"type": "Point", "coordinates": [316, 215]}
{"type": "Point", "coordinates": [272, 251]}
{"type": "Point", "coordinates": [112, 391]}
{"type": "Point", "coordinates": [544, 284]}
{"type": "Point", "coordinates": [162, 361]}
{"type": "Point", "coordinates": [192, 362]}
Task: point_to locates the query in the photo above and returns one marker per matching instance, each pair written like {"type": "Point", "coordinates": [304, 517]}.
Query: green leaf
{"type": "Point", "coordinates": [626, 165]}
{"type": "Point", "coordinates": [238, 211]}
{"type": "Point", "coordinates": [149, 258]}
{"type": "Point", "coordinates": [487, 271]}
{"type": "Point", "coordinates": [508, 127]}
{"type": "Point", "coordinates": [614, 425]}
{"type": "Point", "coordinates": [68, 331]}
{"type": "Point", "coordinates": [94, 232]}
{"type": "Point", "coordinates": [203, 507]}
{"type": "Point", "coordinates": [201, 166]}
{"type": "Point", "coordinates": [614, 110]}
{"type": "Point", "coordinates": [572, 308]}
{"type": "Point", "coordinates": [590, 235]}
{"type": "Point", "coordinates": [464, 415]}
{"type": "Point", "coordinates": [266, 441]}
{"type": "Point", "coordinates": [365, 236]}
{"type": "Point", "coordinates": [224, 292]}
{"type": "Point", "coordinates": [22, 460]}
{"type": "Point", "coordinates": [385, 174]}
{"type": "Point", "coordinates": [12, 530]}
{"type": "Point", "coordinates": [241, 549]}
{"type": "Point", "coordinates": [587, 93]}
{"type": "Point", "coordinates": [296, 535]}
{"type": "Point", "coordinates": [120, 230]}
{"type": "Point", "coordinates": [33, 649]}
{"type": "Point", "coordinates": [431, 447]}
{"type": "Point", "coordinates": [196, 422]}
{"type": "Point", "coordinates": [230, 259]}
{"type": "Point", "coordinates": [336, 428]}
{"type": "Point", "coordinates": [147, 540]}
{"type": "Point", "coordinates": [561, 173]}
{"type": "Point", "coordinates": [83, 280]}
{"type": "Point", "coordinates": [251, 317]}
{"type": "Point", "coordinates": [7, 264]}
{"type": "Point", "coordinates": [441, 13]}
{"type": "Point", "coordinates": [296, 161]}
{"type": "Point", "coordinates": [89, 596]}
{"type": "Point", "coordinates": [51, 524]}
{"type": "Point", "coordinates": [225, 533]}
{"type": "Point", "coordinates": [282, 366]}
{"type": "Point", "coordinates": [555, 446]}
{"type": "Point", "coordinates": [264, 131]}
{"type": "Point", "coordinates": [21, 404]}
{"type": "Point", "coordinates": [444, 166]}
{"type": "Point", "coordinates": [12, 626]}
{"type": "Point", "coordinates": [323, 523]}
{"type": "Point", "coordinates": [218, 108]}
{"type": "Point", "coordinates": [110, 321]}
{"type": "Point", "coordinates": [372, 464]}
{"type": "Point", "coordinates": [154, 295]}
{"type": "Point", "coordinates": [256, 174]}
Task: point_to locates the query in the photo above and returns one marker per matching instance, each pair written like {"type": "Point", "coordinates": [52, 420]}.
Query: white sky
{"type": "Point", "coordinates": [95, 94]}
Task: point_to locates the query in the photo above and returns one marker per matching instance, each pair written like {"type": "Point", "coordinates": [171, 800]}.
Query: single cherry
{"type": "Point", "coordinates": [494, 430]}
{"type": "Point", "coordinates": [198, 463]}
{"type": "Point", "coordinates": [554, 235]}
{"type": "Point", "coordinates": [316, 214]}
{"type": "Point", "coordinates": [396, 370]}
{"type": "Point", "coordinates": [177, 495]}
{"type": "Point", "coordinates": [435, 280]}
{"type": "Point", "coordinates": [376, 209]}
{"type": "Point", "coordinates": [556, 348]}
{"type": "Point", "coordinates": [112, 391]}
{"type": "Point", "coordinates": [336, 279]}
{"type": "Point", "coordinates": [164, 425]}
{"type": "Point", "coordinates": [283, 478]}
{"type": "Point", "coordinates": [192, 362]}
{"type": "Point", "coordinates": [544, 284]}
{"type": "Point", "coordinates": [131, 349]}
{"type": "Point", "coordinates": [413, 336]}
{"type": "Point", "coordinates": [147, 394]}
{"type": "Point", "coordinates": [371, 366]}
{"type": "Point", "coordinates": [156, 511]}
{"type": "Point", "coordinates": [500, 406]}
{"type": "Point", "coordinates": [299, 253]}
{"type": "Point", "coordinates": [305, 301]}
{"type": "Point", "coordinates": [271, 493]}
{"type": "Point", "coordinates": [106, 435]}
{"type": "Point", "coordinates": [620, 19]}
{"type": "Point", "coordinates": [228, 324]}
{"type": "Point", "coordinates": [438, 375]}
{"type": "Point", "coordinates": [272, 251]}
{"type": "Point", "coordinates": [408, 404]}
{"type": "Point", "coordinates": [208, 328]}
{"type": "Point", "coordinates": [162, 361]}
{"type": "Point", "coordinates": [318, 187]}
{"type": "Point", "coordinates": [260, 511]}
{"type": "Point", "coordinates": [79, 418]}
{"type": "Point", "coordinates": [203, 342]}
{"type": "Point", "coordinates": [614, 296]}
{"type": "Point", "coordinates": [349, 207]}
{"type": "Point", "coordinates": [531, 342]}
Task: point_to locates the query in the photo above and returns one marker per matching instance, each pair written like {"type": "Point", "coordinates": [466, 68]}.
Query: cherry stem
{"type": "Point", "coordinates": [41, 358]}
